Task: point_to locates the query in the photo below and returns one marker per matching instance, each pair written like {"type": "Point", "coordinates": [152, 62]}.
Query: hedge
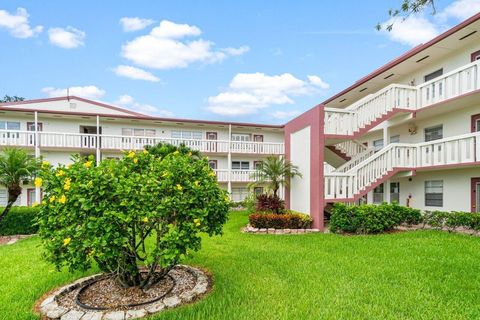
{"type": "Point", "coordinates": [291, 220]}
{"type": "Point", "coordinates": [452, 220]}
{"type": "Point", "coordinates": [368, 218]}
{"type": "Point", "coordinates": [20, 220]}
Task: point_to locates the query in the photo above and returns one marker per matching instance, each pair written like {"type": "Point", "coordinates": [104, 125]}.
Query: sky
{"type": "Point", "coordinates": [254, 61]}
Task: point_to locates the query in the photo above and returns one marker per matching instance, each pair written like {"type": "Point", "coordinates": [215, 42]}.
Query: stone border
{"type": "Point", "coordinates": [50, 309]}
{"type": "Point", "coordinates": [250, 229]}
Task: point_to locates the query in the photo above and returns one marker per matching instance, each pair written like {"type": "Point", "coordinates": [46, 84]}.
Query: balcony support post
{"type": "Point", "coordinates": [97, 142]}
{"type": "Point", "coordinates": [229, 159]}
{"type": "Point", "coordinates": [37, 154]}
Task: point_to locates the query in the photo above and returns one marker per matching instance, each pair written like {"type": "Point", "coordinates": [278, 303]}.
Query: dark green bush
{"type": "Point", "coordinates": [293, 220]}
{"type": "Point", "coordinates": [20, 220]}
{"type": "Point", "coordinates": [452, 220]}
{"type": "Point", "coordinates": [368, 218]}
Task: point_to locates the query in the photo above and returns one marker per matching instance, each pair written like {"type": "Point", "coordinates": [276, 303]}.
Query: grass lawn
{"type": "Point", "coordinates": [411, 275]}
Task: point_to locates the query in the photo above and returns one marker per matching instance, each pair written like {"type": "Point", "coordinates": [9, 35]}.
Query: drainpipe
{"type": "Point", "coordinates": [97, 144]}
{"type": "Point", "coordinates": [37, 154]}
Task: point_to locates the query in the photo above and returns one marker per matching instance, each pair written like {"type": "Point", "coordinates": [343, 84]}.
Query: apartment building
{"type": "Point", "coordinates": [56, 128]}
{"type": "Point", "coordinates": [407, 132]}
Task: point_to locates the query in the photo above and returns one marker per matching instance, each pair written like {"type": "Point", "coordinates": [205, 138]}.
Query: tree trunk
{"type": "Point", "coordinates": [14, 192]}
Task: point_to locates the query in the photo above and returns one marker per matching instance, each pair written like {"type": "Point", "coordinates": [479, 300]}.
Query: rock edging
{"type": "Point", "coordinates": [250, 229]}
{"type": "Point", "coordinates": [50, 309]}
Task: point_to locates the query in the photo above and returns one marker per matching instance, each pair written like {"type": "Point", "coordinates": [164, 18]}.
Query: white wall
{"type": "Point", "coordinates": [300, 156]}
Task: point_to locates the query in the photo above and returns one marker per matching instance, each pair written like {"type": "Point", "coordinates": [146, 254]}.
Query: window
{"type": "Point", "coordinates": [378, 145]}
{"type": "Point", "coordinates": [30, 197]}
{"type": "Point", "coordinates": [378, 194]}
{"type": "Point", "coordinates": [433, 75]}
{"type": "Point", "coordinates": [239, 194]}
{"type": "Point", "coordinates": [395, 192]}
{"type": "Point", "coordinates": [240, 137]}
{"type": "Point", "coordinates": [138, 132]}
{"type": "Point", "coordinates": [434, 133]}
{"type": "Point", "coordinates": [395, 139]}
{"type": "Point", "coordinates": [434, 193]}
{"type": "Point", "coordinates": [4, 198]}
{"type": "Point", "coordinates": [475, 56]}
{"type": "Point", "coordinates": [176, 134]}
{"type": "Point", "coordinates": [240, 165]}
{"type": "Point", "coordinates": [213, 164]}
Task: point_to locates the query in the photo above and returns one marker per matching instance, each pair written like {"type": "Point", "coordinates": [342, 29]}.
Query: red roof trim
{"type": "Point", "coordinates": [405, 56]}
{"type": "Point", "coordinates": [100, 104]}
{"type": "Point", "coordinates": [136, 117]}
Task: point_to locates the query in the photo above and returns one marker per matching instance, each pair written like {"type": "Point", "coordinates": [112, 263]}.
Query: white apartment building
{"type": "Point", "coordinates": [407, 132]}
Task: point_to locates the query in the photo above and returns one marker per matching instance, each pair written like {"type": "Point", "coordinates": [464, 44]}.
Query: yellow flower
{"type": "Point", "coordinates": [66, 186]}
{"type": "Point", "coordinates": [87, 164]}
{"type": "Point", "coordinates": [131, 154]}
{"type": "Point", "coordinates": [66, 241]}
{"type": "Point", "coordinates": [62, 199]}
{"type": "Point", "coordinates": [44, 202]}
{"type": "Point", "coordinates": [196, 183]}
{"type": "Point", "coordinates": [52, 198]}
{"type": "Point", "coordinates": [197, 222]}
{"type": "Point", "coordinates": [38, 182]}
{"type": "Point", "coordinates": [145, 220]}
{"type": "Point", "coordinates": [35, 204]}
{"type": "Point", "coordinates": [135, 160]}
{"type": "Point", "coordinates": [45, 163]}
{"type": "Point", "coordinates": [179, 187]}
{"type": "Point", "coordinates": [60, 173]}
{"type": "Point", "coordinates": [145, 151]}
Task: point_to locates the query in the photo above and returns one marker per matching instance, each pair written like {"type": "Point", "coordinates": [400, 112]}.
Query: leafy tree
{"type": "Point", "coordinates": [16, 166]}
{"type": "Point", "coordinates": [275, 172]}
{"type": "Point", "coordinates": [145, 211]}
{"type": "Point", "coordinates": [8, 98]}
{"type": "Point", "coordinates": [407, 8]}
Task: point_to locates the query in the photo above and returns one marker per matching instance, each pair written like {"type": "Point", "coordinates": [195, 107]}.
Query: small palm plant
{"type": "Point", "coordinates": [16, 166]}
{"type": "Point", "coordinates": [275, 172]}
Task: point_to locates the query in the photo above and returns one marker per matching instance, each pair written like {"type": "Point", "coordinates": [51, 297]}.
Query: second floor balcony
{"type": "Point", "coordinates": [86, 142]}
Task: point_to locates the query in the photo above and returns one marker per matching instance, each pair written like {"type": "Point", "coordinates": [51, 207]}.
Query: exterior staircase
{"type": "Point", "coordinates": [372, 170]}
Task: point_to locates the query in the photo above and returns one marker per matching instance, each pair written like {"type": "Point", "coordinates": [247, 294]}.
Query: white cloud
{"type": "Point", "coordinates": [461, 9]}
{"type": "Point", "coordinates": [412, 31]}
{"type": "Point", "coordinates": [236, 51]}
{"type": "Point", "coordinates": [135, 73]}
{"type": "Point", "coordinates": [164, 48]}
{"type": "Point", "coordinates": [129, 102]}
{"type": "Point", "coordinates": [67, 38]}
{"type": "Point", "coordinates": [247, 93]}
{"type": "Point", "coordinates": [88, 92]}
{"type": "Point", "coordinates": [134, 23]}
{"type": "Point", "coordinates": [18, 24]}
{"type": "Point", "coordinates": [285, 114]}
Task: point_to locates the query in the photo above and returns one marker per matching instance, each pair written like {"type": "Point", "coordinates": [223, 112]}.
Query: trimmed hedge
{"type": "Point", "coordinates": [368, 218]}
{"type": "Point", "coordinates": [452, 220]}
{"type": "Point", "coordinates": [20, 220]}
{"type": "Point", "coordinates": [291, 220]}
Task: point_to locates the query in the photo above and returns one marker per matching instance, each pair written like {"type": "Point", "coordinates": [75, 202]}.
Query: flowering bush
{"type": "Point", "coordinates": [291, 220]}
{"type": "Point", "coordinates": [145, 210]}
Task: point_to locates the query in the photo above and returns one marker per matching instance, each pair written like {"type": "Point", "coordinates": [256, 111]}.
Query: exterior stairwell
{"type": "Point", "coordinates": [375, 169]}
{"type": "Point", "coordinates": [373, 109]}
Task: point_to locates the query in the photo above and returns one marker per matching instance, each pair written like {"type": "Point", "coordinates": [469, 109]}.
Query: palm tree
{"type": "Point", "coordinates": [16, 166]}
{"type": "Point", "coordinates": [275, 172]}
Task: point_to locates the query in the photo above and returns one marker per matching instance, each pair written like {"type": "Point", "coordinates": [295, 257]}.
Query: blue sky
{"type": "Point", "coordinates": [259, 61]}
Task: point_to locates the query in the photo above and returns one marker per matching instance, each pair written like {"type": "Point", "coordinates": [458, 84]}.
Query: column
{"type": "Point", "coordinates": [386, 191]}
{"type": "Point", "coordinates": [37, 155]}
{"type": "Point", "coordinates": [229, 160]}
{"type": "Point", "coordinates": [386, 135]}
{"type": "Point", "coordinates": [97, 142]}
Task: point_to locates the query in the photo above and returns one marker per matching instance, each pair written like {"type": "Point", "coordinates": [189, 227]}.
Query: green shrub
{"type": "Point", "coordinates": [105, 214]}
{"type": "Point", "coordinates": [20, 220]}
{"type": "Point", "coordinates": [452, 220]}
{"type": "Point", "coordinates": [292, 220]}
{"type": "Point", "coordinates": [368, 218]}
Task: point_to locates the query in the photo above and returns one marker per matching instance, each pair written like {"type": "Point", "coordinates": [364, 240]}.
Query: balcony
{"type": "Point", "coordinates": [235, 175]}
{"type": "Point", "coordinates": [375, 108]}
{"type": "Point", "coordinates": [79, 141]}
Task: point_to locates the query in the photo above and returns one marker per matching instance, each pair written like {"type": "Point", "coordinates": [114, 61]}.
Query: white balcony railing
{"type": "Point", "coordinates": [371, 109]}
{"type": "Point", "coordinates": [455, 150]}
{"type": "Point", "coordinates": [114, 142]}
{"type": "Point", "coordinates": [224, 175]}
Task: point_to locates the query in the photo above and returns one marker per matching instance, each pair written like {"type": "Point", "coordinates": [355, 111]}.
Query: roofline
{"type": "Point", "coordinates": [405, 56]}
{"type": "Point", "coordinates": [138, 116]}
{"type": "Point", "coordinates": [97, 103]}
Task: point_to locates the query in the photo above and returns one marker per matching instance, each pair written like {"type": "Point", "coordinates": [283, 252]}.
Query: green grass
{"type": "Point", "coordinates": [411, 275]}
